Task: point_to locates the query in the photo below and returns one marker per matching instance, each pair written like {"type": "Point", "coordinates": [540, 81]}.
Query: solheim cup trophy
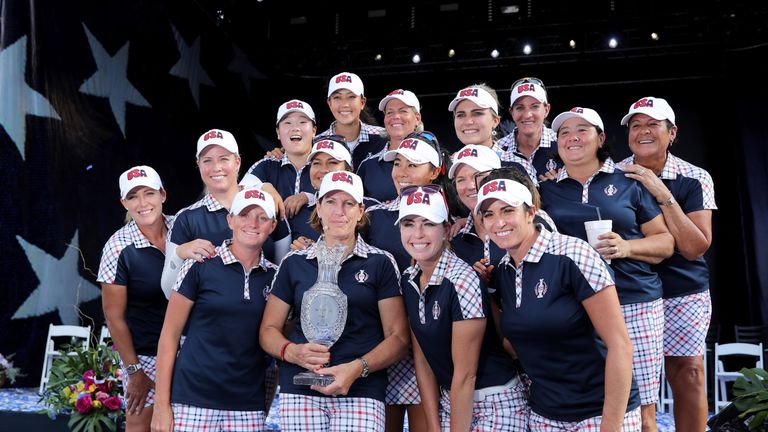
{"type": "Point", "coordinates": [323, 308]}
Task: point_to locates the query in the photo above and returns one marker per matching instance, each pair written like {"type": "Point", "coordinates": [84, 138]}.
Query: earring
{"type": "Point", "coordinates": [494, 133]}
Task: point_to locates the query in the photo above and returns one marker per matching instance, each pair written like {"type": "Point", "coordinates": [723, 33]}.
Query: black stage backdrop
{"type": "Point", "coordinates": [88, 89]}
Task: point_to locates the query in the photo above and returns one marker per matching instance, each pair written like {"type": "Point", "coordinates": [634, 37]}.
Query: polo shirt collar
{"type": "Point", "coordinates": [671, 166]}
{"type": "Point", "coordinates": [366, 131]}
{"type": "Point", "coordinates": [547, 137]}
{"type": "Point", "coordinates": [439, 272]}
{"type": "Point", "coordinates": [361, 249]}
{"type": "Point", "coordinates": [138, 238]}
{"type": "Point", "coordinates": [535, 252]}
{"type": "Point", "coordinates": [227, 257]}
{"type": "Point", "coordinates": [211, 203]}
{"type": "Point", "coordinates": [608, 167]}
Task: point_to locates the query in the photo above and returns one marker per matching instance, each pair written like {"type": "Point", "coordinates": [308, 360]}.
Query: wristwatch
{"type": "Point", "coordinates": [365, 371]}
{"type": "Point", "coordinates": [668, 202]}
{"type": "Point", "coordinates": [133, 368]}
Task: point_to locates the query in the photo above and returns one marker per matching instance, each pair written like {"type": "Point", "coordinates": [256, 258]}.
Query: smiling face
{"type": "Point", "coordinates": [464, 178]}
{"type": "Point", "coordinates": [529, 113]}
{"type": "Point", "coordinates": [508, 226]}
{"type": "Point", "coordinates": [218, 168]}
{"type": "Point", "coordinates": [339, 213]}
{"type": "Point", "coordinates": [295, 132]}
{"type": "Point", "coordinates": [474, 124]}
{"type": "Point", "coordinates": [423, 239]}
{"type": "Point", "coordinates": [322, 163]}
{"type": "Point", "coordinates": [578, 141]}
{"type": "Point", "coordinates": [251, 227]}
{"type": "Point", "coordinates": [406, 173]}
{"type": "Point", "coordinates": [648, 137]}
{"type": "Point", "coordinates": [346, 106]}
{"type": "Point", "coordinates": [144, 204]}
{"type": "Point", "coordinates": [400, 119]}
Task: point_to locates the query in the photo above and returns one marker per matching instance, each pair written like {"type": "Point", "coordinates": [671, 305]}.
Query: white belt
{"type": "Point", "coordinates": [481, 394]}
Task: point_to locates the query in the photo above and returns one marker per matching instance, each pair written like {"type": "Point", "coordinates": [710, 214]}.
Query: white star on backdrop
{"type": "Point", "coordinates": [17, 99]}
{"type": "Point", "coordinates": [189, 67]}
{"type": "Point", "coordinates": [243, 67]}
{"type": "Point", "coordinates": [111, 80]}
{"type": "Point", "coordinates": [60, 285]}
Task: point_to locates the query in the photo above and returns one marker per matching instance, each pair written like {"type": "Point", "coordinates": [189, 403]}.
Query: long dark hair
{"type": "Point", "coordinates": [454, 205]}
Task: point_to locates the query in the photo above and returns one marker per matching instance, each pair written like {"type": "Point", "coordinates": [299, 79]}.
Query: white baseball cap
{"type": "Point", "coordinates": [424, 202]}
{"type": "Point", "coordinates": [479, 157]}
{"type": "Point", "coordinates": [217, 137]}
{"type": "Point", "coordinates": [416, 151]}
{"type": "Point", "coordinates": [406, 96]}
{"type": "Point", "coordinates": [295, 105]}
{"type": "Point", "coordinates": [478, 95]}
{"type": "Point", "coordinates": [654, 107]}
{"type": "Point", "coordinates": [333, 147]}
{"type": "Point", "coordinates": [140, 175]}
{"type": "Point", "coordinates": [510, 191]}
{"type": "Point", "coordinates": [346, 181]}
{"type": "Point", "coordinates": [587, 114]}
{"type": "Point", "coordinates": [346, 80]}
{"type": "Point", "coordinates": [533, 89]}
{"type": "Point", "coordinates": [250, 197]}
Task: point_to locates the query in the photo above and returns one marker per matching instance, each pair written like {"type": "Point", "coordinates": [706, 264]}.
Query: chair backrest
{"type": "Point", "coordinates": [71, 331]}
{"type": "Point", "coordinates": [751, 334]}
{"type": "Point", "coordinates": [104, 335]}
{"type": "Point", "coordinates": [744, 349]}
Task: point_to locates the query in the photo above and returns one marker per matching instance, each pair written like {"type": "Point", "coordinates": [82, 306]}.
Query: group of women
{"type": "Point", "coordinates": [474, 300]}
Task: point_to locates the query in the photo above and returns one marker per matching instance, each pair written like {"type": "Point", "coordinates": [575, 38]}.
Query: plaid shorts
{"type": "Point", "coordinates": [686, 322]}
{"type": "Point", "coordinates": [302, 413]}
{"type": "Point", "coordinates": [402, 388]}
{"type": "Point", "coordinates": [149, 365]}
{"type": "Point", "coordinates": [188, 418]}
{"type": "Point", "coordinates": [645, 324]}
{"type": "Point", "coordinates": [542, 424]}
{"type": "Point", "coordinates": [507, 410]}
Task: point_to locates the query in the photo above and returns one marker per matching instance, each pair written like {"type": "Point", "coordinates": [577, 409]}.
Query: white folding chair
{"type": "Point", "coordinates": [105, 335]}
{"type": "Point", "coordinates": [57, 331]}
{"type": "Point", "coordinates": [723, 376]}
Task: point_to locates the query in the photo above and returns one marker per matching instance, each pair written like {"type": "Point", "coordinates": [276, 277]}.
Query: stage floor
{"type": "Point", "coordinates": [25, 403]}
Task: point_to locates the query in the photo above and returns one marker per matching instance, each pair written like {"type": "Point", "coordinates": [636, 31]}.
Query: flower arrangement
{"type": "Point", "coordinates": [8, 370]}
{"type": "Point", "coordinates": [87, 385]}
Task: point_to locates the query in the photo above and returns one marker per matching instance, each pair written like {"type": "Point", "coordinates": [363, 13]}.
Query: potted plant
{"type": "Point", "coordinates": [87, 385]}
{"type": "Point", "coordinates": [749, 408]}
{"type": "Point", "coordinates": [8, 372]}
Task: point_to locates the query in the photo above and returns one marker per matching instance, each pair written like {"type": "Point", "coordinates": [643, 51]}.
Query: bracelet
{"type": "Point", "coordinates": [668, 202]}
{"type": "Point", "coordinates": [282, 350]}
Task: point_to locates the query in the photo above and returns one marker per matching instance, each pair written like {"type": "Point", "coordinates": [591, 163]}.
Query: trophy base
{"type": "Point", "coordinates": [311, 378]}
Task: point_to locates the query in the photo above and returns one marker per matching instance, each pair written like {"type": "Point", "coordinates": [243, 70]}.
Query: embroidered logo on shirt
{"type": "Point", "coordinates": [541, 289]}
{"type": "Point", "coordinates": [610, 190]}
{"type": "Point", "coordinates": [551, 165]}
{"type": "Point", "coordinates": [361, 276]}
{"type": "Point", "coordinates": [265, 292]}
{"type": "Point", "coordinates": [435, 311]}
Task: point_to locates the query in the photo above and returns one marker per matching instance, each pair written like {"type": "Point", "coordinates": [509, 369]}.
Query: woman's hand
{"type": "Point", "coordinates": [649, 180]}
{"type": "Point", "coordinates": [310, 356]}
{"type": "Point", "coordinates": [483, 270]}
{"type": "Point", "coordinates": [162, 419]}
{"type": "Point", "coordinates": [294, 203]}
{"type": "Point", "coordinates": [457, 226]}
{"type": "Point", "coordinates": [197, 249]}
{"type": "Point", "coordinates": [301, 243]}
{"type": "Point", "coordinates": [276, 153]}
{"type": "Point", "coordinates": [344, 374]}
{"type": "Point", "coordinates": [612, 246]}
{"type": "Point", "coordinates": [139, 386]}
{"type": "Point", "coordinates": [549, 175]}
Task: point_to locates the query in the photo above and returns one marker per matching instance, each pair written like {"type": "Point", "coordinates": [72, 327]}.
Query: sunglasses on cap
{"type": "Point", "coordinates": [430, 138]}
{"type": "Point", "coordinates": [528, 80]}
{"type": "Point", "coordinates": [504, 172]}
{"type": "Point", "coordinates": [430, 189]}
{"type": "Point", "coordinates": [334, 137]}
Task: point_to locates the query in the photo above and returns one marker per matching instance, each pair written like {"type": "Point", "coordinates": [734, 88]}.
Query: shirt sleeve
{"type": "Point", "coordinates": [469, 297]}
{"type": "Point", "coordinates": [647, 207]}
{"type": "Point", "coordinates": [389, 278]}
{"type": "Point", "coordinates": [187, 283]}
{"type": "Point", "coordinates": [109, 258]}
{"type": "Point", "coordinates": [282, 286]}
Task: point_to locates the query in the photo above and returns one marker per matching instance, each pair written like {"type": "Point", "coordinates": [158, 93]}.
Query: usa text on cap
{"type": "Point", "coordinates": [509, 191]}
{"type": "Point", "coordinates": [479, 157]}
{"type": "Point", "coordinates": [295, 105]}
{"type": "Point", "coordinates": [346, 80]}
{"type": "Point", "coordinates": [405, 96]}
{"type": "Point", "coordinates": [587, 114]}
{"type": "Point", "coordinates": [531, 89]}
{"type": "Point", "coordinates": [345, 181]}
{"type": "Point", "coordinates": [332, 147]}
{"type": "Point", "coordinates": [416, 151]}
{"type": "Point", "coordinates": [422, 203]}
{"type": "Point", "coordinates": [141, 175]}
{"type": "Point", "coordinates": [654, 107]}
{"type": "Point", "coordinates": [479, 96]}
{"type": "Point", "coordinates": [250, 197]}
{"type": "Point", "coordinates": [218, 137]}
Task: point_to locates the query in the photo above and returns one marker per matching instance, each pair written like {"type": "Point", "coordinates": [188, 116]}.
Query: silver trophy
{"type": "Point", "coordinates": [323, 308]}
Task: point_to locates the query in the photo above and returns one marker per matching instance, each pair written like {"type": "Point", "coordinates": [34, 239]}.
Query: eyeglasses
{"type": "Point", "coordinates": [528, 80]}
{"type": "Point", "coordinates": [429, 189]}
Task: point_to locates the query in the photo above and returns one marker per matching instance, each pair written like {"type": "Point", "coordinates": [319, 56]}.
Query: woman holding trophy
{"type": "Point", "coordinates": [352, 322]}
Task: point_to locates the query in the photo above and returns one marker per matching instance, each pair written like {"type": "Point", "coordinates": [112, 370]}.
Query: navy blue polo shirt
{"type": "Point", "coordinates": [299, 223]}
{"type": "Point", "coordinates": [130, 260]}
{"type": "Point", "coordinates": [543, 159]}
{"type": "Point", "coordinates": [369, 142]}
{"type": "Point", "coordinates": [453, 294]}
{"type": "Point", "coordinates": [620, 199]}
{"type": "Point", "coordinates": [282, 175]}
{"type": "Point", "coordinates": [207, 219]}
{"type": "Point", "coordinates": [377, 176]}
{"type": "Point", "coordinates": [384, 234]}
{"type": "Point", "coordinates": [367, 276]}
{"type": "Point", "coordinates": [543, 317]}
{"type": "Point", "coordinates": [221, 364]}
{"type": "Point", "coordinates": [693, 190]}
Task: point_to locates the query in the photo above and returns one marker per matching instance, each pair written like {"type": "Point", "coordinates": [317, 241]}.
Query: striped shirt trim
{"type": "Point", "coordinates": [366, 131]}
{"type": "Point", "coordinates": [128, 235]}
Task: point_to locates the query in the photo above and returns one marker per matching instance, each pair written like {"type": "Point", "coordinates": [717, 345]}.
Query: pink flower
{"type": "Point", "coordinates": [88, 377]}
{"type": "Point", "coordinates": [113, 403]}
{"type": "Point", "coordinates": [101, 396]}
{"type": "Point", "coordinates": [83, 404]}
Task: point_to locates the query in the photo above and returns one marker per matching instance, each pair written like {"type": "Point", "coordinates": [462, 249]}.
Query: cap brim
{"type": "Point", "coordinates": [654, 114]}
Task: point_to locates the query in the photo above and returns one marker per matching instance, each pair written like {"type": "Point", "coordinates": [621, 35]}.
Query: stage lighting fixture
{"type": "Point", "coordinates": [378, 57]}
{"type": "Point", "coordinates": [572, 44]}
{"type": "Point", "coordinates": [613, 43]}
{"type": "Point", "coordinates": [655, 36]}
{"type": "Point", "coordinates": [416, 58]}
{"type": "Point", "coordinates": [495, 53]}
{"type": "Point", "coordinates": [527, 49]}
{"type": "Point", "coordinates": [451, 53]}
